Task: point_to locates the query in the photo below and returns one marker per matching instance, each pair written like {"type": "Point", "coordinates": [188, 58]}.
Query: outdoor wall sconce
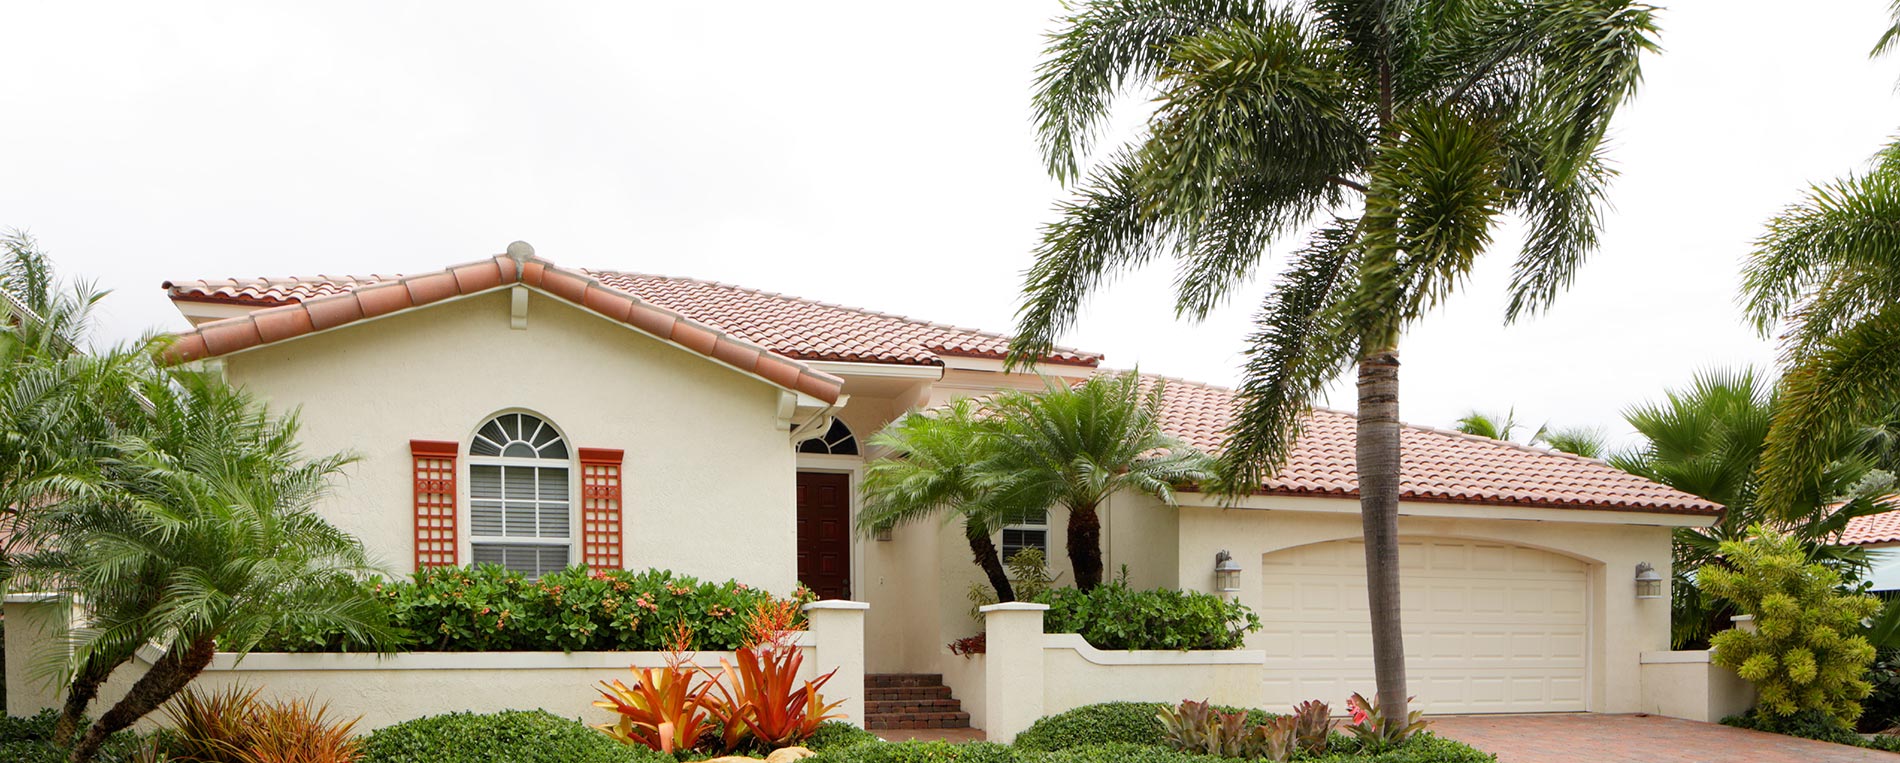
{"type": "Point", "coordinates": [1649, 582]}
{"type": "Point", "coordinates": [1226, 572]}
{"type": "Point", "coordinates": [882, 533]}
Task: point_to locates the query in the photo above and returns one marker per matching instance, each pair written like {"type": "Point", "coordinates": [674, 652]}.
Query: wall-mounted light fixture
{"type": "Point", "coordinates": [1226, 572]}
{"type": "Point", "coordinates": [1649, 582]}
{"type": "Point", "coordinates": [882, 533]}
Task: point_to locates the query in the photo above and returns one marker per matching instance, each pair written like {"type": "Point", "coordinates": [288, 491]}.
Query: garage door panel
{"type": "Point", "coordinates": [1488, 627]}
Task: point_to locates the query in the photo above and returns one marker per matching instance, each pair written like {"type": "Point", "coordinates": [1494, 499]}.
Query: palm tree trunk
{"type": "Point", "coordinates": [79, 696]}
{"type": "Point", "coordinates": [166, 678]}
{"type": "Point", "coordinates": [986, 557]}
{"type": "Point", "coordinates": [1378, 466]}
{"type": "Point", "coordinates": [1085, 546]}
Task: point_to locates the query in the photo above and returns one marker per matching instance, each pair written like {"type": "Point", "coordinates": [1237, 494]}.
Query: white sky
{"type": "Point", "coordinates": [874, 154]}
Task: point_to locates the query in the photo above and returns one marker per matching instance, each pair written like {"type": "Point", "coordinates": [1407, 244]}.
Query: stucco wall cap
{"type": "Point", "coordinates": [837, 604]}
{"type": "Point", "coordinates": [1014, 606]}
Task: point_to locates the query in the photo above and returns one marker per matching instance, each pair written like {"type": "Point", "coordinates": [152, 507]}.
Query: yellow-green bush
{"type": "Point", "coordinates": [1808, 653]}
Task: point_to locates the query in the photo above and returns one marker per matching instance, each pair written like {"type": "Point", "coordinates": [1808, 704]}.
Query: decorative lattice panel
{"type": "Point", "coordinates": [600, 508]}
{"type": "Point", "coordinates": [435, 503]}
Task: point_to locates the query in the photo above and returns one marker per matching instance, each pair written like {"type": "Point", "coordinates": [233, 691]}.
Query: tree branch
{"type": "Point", "coordinates": [1340, 181]}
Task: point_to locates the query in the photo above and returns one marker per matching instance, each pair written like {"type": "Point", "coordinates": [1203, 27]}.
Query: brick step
{"type": "Point", "coordinates": [904, 693]}
{"type": "Point", "coordinates": [896, 680]}
{"type": "Point", "coordinates": [878, 707]}
{"type": "Point", "coordinates": [957, 720]}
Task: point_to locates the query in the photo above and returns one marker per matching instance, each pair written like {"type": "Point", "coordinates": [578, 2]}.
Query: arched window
{"type": "Point", "coordinates": [837, 441]}
{"type": "Point", "coordinates": [518, 490]}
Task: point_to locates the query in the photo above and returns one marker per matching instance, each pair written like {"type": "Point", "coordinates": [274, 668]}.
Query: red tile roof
{"type": "Point", "coordinates": [790, 326]}
{"type": "Point", "coordinates": [1873, 528]}
{"type": "Point", "coordinates": [320, 306]}
{"type": "Point", "coordinates": [1438, 465]}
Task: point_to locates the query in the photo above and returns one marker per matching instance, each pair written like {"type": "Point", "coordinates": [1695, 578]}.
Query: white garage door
{"type": "Point", "coordinates": [1489, 628]}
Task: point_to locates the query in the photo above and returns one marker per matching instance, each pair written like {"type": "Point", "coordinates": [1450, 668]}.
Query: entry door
{"type": "Point", "coordinates": [824, 533]}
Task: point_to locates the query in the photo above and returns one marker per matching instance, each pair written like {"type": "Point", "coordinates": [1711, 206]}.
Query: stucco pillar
{"type": "Point", "coordinates": [1012, 668]}
{"type": "Point", "coordinates": [35, 623]}
{"type": "Point", "coordinates": [837, 632]}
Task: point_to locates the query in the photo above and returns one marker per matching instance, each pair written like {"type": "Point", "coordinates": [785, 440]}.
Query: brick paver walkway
{"type": "Point", "coordinates": [1584, 738]}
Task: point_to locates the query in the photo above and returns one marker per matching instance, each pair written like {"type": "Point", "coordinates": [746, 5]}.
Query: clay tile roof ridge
{"type": "Point", "coordinates": [837, 306]}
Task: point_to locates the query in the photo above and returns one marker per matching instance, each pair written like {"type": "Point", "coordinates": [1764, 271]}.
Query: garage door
{"type": "Point", "coordinates": [1489, 628]}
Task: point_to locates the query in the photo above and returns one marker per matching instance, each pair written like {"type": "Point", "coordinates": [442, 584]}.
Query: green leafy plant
{"type": "Point", "coordinates": [919, 752]}
{"type": "Point", "coordinates": [1808, 652]}
{"type": "Point", "coordinates": [514, 736]}
{"type": "Point", "coordinates": [1028, 574]}
{"type": "Point", "coordinates": [1376, 731]}
{"type": "Point", "coordinates": [1116, 616]}
{"type": "Point", "coordinates": [1102, 723]}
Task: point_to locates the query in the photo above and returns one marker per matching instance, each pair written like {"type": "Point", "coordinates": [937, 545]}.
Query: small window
{"type": "Point", "coordinates": [837, 441]}
{"type": "Point", "coordinates": [1029, 529]}
{"type": "Point", "coordinates": [519, 502]}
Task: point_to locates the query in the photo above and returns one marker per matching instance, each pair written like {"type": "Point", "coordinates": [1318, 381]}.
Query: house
{"type": "Point", "coordinates": [514, 411]}
{"type": "Point", "coordinates": [1879, 534]}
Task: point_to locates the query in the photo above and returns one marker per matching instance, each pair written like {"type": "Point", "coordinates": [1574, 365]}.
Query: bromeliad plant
{"type": "Point", "coordinates": [683, 707]}
{"type": "Point", "coordinates": [1375, 731]}
{"type": "Point", "coordinates": [1202, 728]}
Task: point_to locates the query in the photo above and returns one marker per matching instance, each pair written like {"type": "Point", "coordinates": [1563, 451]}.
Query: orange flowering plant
{"type": "Point", "coordinates": [765, 694]}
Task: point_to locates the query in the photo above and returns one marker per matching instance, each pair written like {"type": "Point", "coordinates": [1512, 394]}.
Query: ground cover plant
{"type": "Point", "coordinates": [1116, 616]}
{"type": "Point", "coordinates": [489, 608]}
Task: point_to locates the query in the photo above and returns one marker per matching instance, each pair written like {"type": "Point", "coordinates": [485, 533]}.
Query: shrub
{"type": "Point", "coordinates": [29, 740]}
{"type": "Point", "coordinates": [514, 736]}
{"type": "Point", "coordinates": [1105, 723]}
{"type": "Point", "coordinates": [835, 734]}
{"type": "Point", "coordinates": [487, 608]}
{"type": "Point", "coordinates": [1807, 724]}
{"type": "Point", "coordinates": [1375, 731]}
{"type": "Point", "coordinates": [917, 752]}
{"type": "Point", "coordinates": [1808, 654]}
{"type": "Point", "coordinates": [1115, 616]}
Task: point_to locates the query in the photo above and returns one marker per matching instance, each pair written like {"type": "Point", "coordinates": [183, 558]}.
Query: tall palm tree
{"type": "Point", "coordinates": [939, 463]}
{"type": "Point", "coordinates": [1827, 276]}
{"type": "Point", "coordinates": [1485, 425]}
{"type": "Point", "coordinates": [196, 533]}
{"type": "Point", "coordinates": [1074, 446]}
{"type": "Point", "coordinates": [1401, 131]}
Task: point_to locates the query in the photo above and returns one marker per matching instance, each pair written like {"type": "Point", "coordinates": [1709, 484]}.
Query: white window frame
{"type": "Point", "coordinates": [467, 478]}
{"type": "Point", "coordinates": [1042, 527]}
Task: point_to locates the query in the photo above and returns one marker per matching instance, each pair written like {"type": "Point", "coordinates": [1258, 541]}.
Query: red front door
{"type": "Point", "coordinates": [824, 533]}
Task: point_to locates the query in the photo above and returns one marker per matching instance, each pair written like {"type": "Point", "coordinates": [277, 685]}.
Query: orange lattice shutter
{"type": "Point", "coordinates": [600, 507]}
{"type": "Point", "coordinates": [435, 502]}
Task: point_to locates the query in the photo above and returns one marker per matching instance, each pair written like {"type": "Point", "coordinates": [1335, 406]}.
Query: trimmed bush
{"type": "Point", "coordinates": [1115, 616]}
{"type": "Point", "coordinates": [490, 609]}
{"type": "Point", "coordinates": [832, 735]}
{"type": "Point", "coordinates": [1106, 723]}
{"type": "Point", "coordinates": [917, 752]}
{"type": "Point", "coordinates": [28, 740]}
{"type": "Point", "coordinates": [513, 736]}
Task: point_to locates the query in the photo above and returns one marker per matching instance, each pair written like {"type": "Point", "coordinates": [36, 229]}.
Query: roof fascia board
{"type": "Point", "coordinates": [877, 370]}
{"type": "Point", "coordinates": [993, 365]}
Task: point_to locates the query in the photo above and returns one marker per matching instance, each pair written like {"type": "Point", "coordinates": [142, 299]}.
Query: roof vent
{"type": "Point", "coordinates": [520, 252]}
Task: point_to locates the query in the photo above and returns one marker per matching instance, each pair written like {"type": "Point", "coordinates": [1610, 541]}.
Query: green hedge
{"type": "Point", "coordinates": [918, 752]}
{"type": "Point", "coordinates": [513, 736]}
{"type": "Point", "coordinates": [1115, 616]}
{"type": "Point", "coordinates": [491, 609]}
{"type": "Point", "coordinates": [832, 735]}
{"type": "Point", "coordinates": [29, 740]}
{"type": "Point", "coordinates": [1423, 749]}
{"type": "Point", "coordinates": [1106, 723]}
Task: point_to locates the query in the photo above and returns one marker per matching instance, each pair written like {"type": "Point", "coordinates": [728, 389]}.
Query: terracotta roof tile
{"type": "Point", "coordinates": [1873, 528]}
{"type": "Point", "coordinates": [1438, 465]}
{"type": "Point", "coordinates": [294, 307]}
{"type": "Point", "coordinates": [796, 328]}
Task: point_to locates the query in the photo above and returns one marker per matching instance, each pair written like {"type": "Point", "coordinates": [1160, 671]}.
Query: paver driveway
{"type": "Point", "coordinates": [1586, 738]}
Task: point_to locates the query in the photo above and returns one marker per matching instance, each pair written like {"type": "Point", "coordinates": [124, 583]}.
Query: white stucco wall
{"type": "Point", "coordinates": [709, 478]}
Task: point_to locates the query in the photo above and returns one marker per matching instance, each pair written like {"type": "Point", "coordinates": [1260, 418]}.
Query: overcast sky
{"type": "Point", "coordinates": [874, 154]}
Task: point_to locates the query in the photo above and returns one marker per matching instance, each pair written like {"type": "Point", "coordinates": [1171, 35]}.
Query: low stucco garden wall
{"type": "Point", "coordinates": [1026, 674]}
{"type": "Point", "coordinates": [389, 689]}
{"type": "Point", "coordinates": [1689, 685]}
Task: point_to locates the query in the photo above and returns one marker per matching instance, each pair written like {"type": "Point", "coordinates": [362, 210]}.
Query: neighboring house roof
{"type": "Point", "coordinates": [1873, 528]}
{"type": "Point", "coordinates": [318, 308]}
{"type": "Point", "coordinates": [790, 326]}
{"type": "Point", "coordinates": [1438, 465]}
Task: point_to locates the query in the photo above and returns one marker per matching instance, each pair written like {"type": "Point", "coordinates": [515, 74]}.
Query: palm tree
{"type": "Point", "coordinates": [1484, 425]}
{"type": "Point", "coordinates": [939, 463]}
{"type": "Point", "coordinates": [1829, 269]}
{"type": "Point", "coordinates": [1707, 440]}
{"type": "Point", "coordinates": [1074, 446]}
{"type": "Point", "coordinates": [196, 533]}
{"type": "Point", "coordinates": [1588, 442]}
{"type": "Point", "coordinates": [1402, 131]}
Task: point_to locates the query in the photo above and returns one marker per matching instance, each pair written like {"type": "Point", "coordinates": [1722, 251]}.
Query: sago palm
{"type": "Point", "coordinates": [198, 534]}
{"type": "Point", "coordinates": [1074, 446]}
{"type": "Point", "coordinates": [940, 464]}
{"type": "Point", "coordinates": [1399, 132]}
